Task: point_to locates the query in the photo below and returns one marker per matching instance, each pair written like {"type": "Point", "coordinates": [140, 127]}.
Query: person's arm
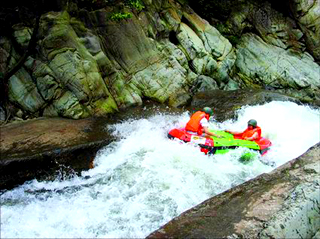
{"type": "Point", "coordinates": [253, 137]}
{"type": "Point", "coordinates": [207, 132]}
{"type": "Point", "coordinates": [233, 132]}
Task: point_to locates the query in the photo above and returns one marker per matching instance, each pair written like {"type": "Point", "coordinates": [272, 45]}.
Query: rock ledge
{"type": "Point", "coordinates": [43, 147]}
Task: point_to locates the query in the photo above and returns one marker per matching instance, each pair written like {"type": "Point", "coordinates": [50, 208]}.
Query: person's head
{"type": "Point", "coordinates": [208, 111]}
{"type": "Point", "coordinates": [253, 123]}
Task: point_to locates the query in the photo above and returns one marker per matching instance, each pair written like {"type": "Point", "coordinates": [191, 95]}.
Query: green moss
{"type": "Point", "coordinates": [105, 106]}
{"type": "Point", "coordinates": [78, 26]}
{"type": "Point", "coordinates": [248, 82]}
{"type": "Point", "coordinates": [121, 11]}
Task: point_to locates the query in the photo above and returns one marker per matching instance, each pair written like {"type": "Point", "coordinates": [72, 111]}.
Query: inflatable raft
{"type": "Point", "coordinates": [213, 145]}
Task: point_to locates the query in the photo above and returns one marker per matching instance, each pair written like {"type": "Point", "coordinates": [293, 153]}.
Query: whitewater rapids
{"type": "Point", "coordinates": [143, 180]}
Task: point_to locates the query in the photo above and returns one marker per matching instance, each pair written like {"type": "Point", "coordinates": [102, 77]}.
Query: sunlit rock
{"type": "Point", "coordinates": [260, 64]}
{"type": "Point", "coordinates": [23, 91]}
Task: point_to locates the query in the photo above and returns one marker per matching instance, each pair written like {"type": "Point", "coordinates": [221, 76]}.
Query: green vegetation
{"type": "Point", "coordinates": [135, 4]}
{"type": "Point", "coordinates": [118, 16]}
{"type": "Point", "coordinates": [122, 15]}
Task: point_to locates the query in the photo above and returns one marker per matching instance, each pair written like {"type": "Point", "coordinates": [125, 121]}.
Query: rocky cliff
{"type": "Point", "coordinates": [97, 61]}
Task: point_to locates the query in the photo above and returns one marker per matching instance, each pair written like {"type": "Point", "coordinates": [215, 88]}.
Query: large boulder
{"type": "Point", "coordinates": [211, 53]}
{"type": "Point", "coordinates": [262, 65]}
{"type": "Point", "coordinates": [74, 68]}
{"type": "Point", "coordinates": [23, 91]}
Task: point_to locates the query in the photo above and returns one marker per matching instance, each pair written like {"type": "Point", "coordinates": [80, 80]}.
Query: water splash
{"type": "Point", "coordinates": [144, 179]}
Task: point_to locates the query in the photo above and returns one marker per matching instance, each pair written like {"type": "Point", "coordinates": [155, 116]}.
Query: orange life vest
{"type": "Point", "coordinates": [249, 132]}
{"type": "Point", "coordinates": [194, 122]}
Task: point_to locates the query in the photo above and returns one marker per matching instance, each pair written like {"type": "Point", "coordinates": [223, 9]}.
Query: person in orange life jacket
{"type": "Point", "coordinates": [199, 123]}
{"type": "Point", "coordinates": [253, 132]}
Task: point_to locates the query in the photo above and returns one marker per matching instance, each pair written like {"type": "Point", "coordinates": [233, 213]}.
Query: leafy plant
{"type": "Point", "coordinates": [118, 16]}
{"type": "Point", "coordinates": [136, 4]}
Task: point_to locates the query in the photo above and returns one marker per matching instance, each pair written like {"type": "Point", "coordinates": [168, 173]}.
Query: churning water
{"type": "Point", "coordinates": [144, 179]}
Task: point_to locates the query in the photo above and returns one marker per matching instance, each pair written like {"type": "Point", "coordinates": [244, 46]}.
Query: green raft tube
{"type": "Point", "coordinates": [215, 145]}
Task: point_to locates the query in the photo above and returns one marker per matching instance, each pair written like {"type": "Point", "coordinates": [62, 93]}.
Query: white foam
{"type": "Point", "coordinates": [144, 179]}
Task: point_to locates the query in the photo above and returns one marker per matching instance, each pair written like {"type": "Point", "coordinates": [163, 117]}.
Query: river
{"type": "Point", "coordinates": [143, 180]}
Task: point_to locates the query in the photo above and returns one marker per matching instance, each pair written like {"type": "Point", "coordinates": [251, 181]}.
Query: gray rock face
{"type": "Point", "coordinates": [272, 66]}
{"type": "Point", "coordinates": [23, 91]}
{"type": "Point", "coordinates": [297, 34]}
{"type": "Point", "coordinates": [204, 83]}
{"type": "Point", "coordinates": [88, 63]}
{"type": "Point", "coordinates": [317, 235]}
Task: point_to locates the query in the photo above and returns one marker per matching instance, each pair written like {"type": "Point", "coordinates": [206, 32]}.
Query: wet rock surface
{"type": "Point", "coordinates": [281, 204]}
{"type": "Point", "coordinates": [42, 147]}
